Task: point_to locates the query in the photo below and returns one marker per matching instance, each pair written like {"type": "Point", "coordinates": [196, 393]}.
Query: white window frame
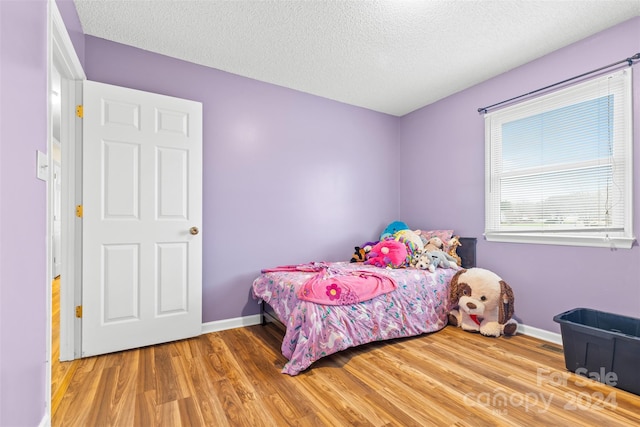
{"type": "Point", "coordinates": [494, 231]}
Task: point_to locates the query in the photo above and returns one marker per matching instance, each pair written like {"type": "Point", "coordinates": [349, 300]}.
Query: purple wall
{"type": "Point", "coordinates": [23, 276]}
{"type": "Point", "coordinates": [288, 177]}
{"type": "Point", "coordinates": [445, 142]}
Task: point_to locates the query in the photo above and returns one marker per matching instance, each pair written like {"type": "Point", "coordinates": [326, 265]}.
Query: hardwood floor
{"type": "Point", "coordinates": [61, 373]}
{"type": "Point", "coordinates": [232, 378]}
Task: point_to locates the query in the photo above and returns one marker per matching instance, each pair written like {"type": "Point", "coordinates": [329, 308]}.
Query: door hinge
{"type": "Point", "coordinates": [79, 111]}
{"type": "Point", "coordinates": [78, 311]}
{"type": "Point", "coordinates": [79, 211]}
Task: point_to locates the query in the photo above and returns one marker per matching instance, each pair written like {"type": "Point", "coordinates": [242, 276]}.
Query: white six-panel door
{"type": "Point", "coordinates": [141, 219]}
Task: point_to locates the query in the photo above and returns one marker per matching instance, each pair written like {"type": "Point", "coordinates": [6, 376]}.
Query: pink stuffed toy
{"type": "Point", "coordinates": [388, 253]}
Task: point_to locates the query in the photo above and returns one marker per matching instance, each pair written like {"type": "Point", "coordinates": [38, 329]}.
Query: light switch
{"type": "Point", "coordinates": [42, 166]}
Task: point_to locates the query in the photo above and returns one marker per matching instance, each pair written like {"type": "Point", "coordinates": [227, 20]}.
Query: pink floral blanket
{"type": "Point", "coordinates": [418, 305]}
{"type": "Point", "coordinates": [335, 286]}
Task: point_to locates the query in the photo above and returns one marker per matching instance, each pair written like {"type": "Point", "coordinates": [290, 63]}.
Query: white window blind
{"type": "Point", "coordinates": [559, 167]}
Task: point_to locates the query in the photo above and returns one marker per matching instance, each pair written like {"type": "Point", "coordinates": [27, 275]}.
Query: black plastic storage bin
{"type": "Point", "coordinates": [598, 345]}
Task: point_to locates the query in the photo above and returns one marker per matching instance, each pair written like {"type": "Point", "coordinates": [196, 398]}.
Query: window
{"type": "Point", "coordinates": [559, 167]}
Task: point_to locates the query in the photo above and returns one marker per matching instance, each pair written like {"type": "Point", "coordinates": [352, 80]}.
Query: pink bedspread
{"type": "Point", "coordinates": [418, 305]}
{"type": "Point", "coordinates": [338, 286]}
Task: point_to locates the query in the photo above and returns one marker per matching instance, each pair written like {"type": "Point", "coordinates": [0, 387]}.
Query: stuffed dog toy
{"type": "Point", "coordinates": [431, 260]}
{"type": "Point", "coordinates": [423, 261]}
{"type": "Point", "coordinates": [483, 303]}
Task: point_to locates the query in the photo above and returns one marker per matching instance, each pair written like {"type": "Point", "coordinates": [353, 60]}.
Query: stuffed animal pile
{"type": "Point", "coordinates": [417, 250]}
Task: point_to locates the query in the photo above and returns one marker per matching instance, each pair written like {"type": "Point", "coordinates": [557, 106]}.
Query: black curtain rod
{"type": "Point", "coordinates": [629, 61]}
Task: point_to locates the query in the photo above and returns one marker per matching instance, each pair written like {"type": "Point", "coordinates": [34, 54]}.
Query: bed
{"type": "Point", "coordinates": [418, 304]}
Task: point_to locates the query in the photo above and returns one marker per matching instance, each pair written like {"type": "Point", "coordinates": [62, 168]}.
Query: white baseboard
{"type": "Point", "coordinates": [540, 334]}
{"type": "Point", "coordinates": [45, 421]}
{"type": "Point", "coordinates": [238, 322]}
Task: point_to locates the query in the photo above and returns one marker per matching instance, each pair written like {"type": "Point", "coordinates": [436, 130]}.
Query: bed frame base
{"type": "Point", "coordinates": [268, 316]}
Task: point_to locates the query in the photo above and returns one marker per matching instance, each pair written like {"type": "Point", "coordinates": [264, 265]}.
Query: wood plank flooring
{"type": "Point", "coordinates": [61, 373]}
{"type": "Point", "coordinates": [449, 378]}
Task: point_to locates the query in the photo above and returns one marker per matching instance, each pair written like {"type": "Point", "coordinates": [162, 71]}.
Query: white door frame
{"type": "Point", "coordinates": [63, 57]}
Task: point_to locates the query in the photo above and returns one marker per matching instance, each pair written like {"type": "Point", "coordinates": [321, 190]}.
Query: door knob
{"type": "Point", "coordinates": [194, 230]}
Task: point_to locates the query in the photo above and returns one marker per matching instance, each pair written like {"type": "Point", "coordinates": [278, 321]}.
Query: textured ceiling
{"type": "Point", "coordinates": [388, 56]}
